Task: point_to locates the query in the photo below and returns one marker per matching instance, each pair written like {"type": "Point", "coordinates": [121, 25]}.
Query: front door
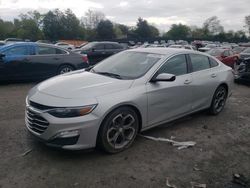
{"type": "Point", "coordinates": [167, 100]}
{"type": "Point", "coordinates": [15, 62]}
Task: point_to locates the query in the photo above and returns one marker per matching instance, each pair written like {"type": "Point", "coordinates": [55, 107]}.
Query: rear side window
{"type": "Point", "coordinates": [226, 53]}
{"type": "Point", "coordinates": [199, 62]}
{"type": "Point", "coordinates": [176, 65]}
{"type": "Point", "coordinates": [99, 46]}
{"type": "Point", "coordinates": [213, 63]}
{"type": "Point", "coordinates": [109, 46]}
{"type": "Point", "coordinates": [45, 50]}
{"type": "Point", "coordinates": [18, 50]}
{"type": "Point", "coordinates": [58, 51]}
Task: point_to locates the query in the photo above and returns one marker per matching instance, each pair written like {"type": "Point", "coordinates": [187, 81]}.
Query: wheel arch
{"type": "Point", "coordinates": [64, 64]}
{"type": "Point", "coordinates": [137, 111]}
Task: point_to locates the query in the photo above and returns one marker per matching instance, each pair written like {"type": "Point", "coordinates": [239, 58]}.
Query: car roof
{"type": "Point", "coordinates": [166, 51]}
{"type": "Point", "coordinates": [31, 44]}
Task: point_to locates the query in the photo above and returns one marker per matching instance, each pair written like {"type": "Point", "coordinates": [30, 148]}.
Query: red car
{"type": "Point", "coordinates": [226, 56]}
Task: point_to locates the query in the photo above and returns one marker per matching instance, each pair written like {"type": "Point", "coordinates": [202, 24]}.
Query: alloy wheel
{"type": "Point", "coordinates": [121, 130]}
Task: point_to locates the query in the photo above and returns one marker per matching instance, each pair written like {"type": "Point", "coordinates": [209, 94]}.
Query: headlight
{"type": "Point", "coordinates": [71, 111]}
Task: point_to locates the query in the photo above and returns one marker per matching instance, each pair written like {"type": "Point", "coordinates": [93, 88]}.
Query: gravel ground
{"type": "Point", "coordinates": [223, 148]}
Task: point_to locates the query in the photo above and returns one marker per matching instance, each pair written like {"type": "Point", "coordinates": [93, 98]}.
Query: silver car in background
{"type": "Point", "coordinates": [132, 91]}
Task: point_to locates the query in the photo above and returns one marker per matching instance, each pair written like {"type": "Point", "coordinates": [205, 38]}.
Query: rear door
{"type": "Point", "coordinates": [112, 49]}
{"type": "Point", "coordinates": [204, 80]}
{"type": "Point", "coordinates": [97, 53]}
{"type": "Point", "coordinates": [46, 61]}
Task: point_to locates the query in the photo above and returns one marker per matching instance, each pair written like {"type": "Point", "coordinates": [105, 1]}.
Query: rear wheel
{"type": "Point", "coordinates": [65, 69]}
{"type": "Point", "coordinates": [118, 130]}
{"type": "Point", "coordinates": [219, 100]}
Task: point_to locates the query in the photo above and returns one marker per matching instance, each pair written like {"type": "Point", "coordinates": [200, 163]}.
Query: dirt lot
{"type": "Point", "coordinates": [223, 148]}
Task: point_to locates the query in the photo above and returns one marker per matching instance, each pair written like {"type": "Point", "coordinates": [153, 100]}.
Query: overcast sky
{"type": "Point", "coordinates": [162, 13]}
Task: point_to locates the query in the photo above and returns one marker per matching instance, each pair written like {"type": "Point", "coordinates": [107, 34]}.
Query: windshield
{"type": "Point", "coordinates": [127, 64]}
{"type": "Point", "coordinates": [246, 50]}
{"type": "Point", "coordinates": [88, 46]}
{"type": "Point", "coordinates": [215, 52]}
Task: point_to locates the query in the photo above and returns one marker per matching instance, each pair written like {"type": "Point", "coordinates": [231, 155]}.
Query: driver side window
{"type": "Point", "coordinates": [176, 65]}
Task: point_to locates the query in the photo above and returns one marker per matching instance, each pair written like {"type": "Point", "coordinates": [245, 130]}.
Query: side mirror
{"type": "Point", "coordinates": [93, 49]}
{"type": "Point", "coordinates": [164, 77]}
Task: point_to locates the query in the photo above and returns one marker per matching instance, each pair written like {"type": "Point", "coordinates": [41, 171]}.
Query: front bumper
{"type": "Point", "coordinates": [66, 133]}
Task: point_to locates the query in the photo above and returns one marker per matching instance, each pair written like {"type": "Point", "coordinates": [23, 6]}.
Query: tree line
{"type": "Point", "coordinates": [57, 25]}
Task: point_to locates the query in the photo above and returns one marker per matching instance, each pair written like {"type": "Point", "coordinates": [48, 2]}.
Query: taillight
{"type": "Point", "coordinates": [85, 58]}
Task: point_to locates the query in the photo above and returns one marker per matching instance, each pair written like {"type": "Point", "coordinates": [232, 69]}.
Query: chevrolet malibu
{"type": "Point", "coordinates": [132, 91]}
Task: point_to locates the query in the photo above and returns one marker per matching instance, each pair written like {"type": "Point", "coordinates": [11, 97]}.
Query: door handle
{"type": "Point", "coordinates": [26, 59]}
{"type": "Point", "coordinates": [56, 58]}
{"type": "Point", "coordinates": [213, 75]}
{"type": "Point", "coordinates": [103, 52]}
{"type": "Point", "coordinates": [187, 81]}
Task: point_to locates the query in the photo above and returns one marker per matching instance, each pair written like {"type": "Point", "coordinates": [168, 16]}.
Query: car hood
{"type": "Point", "coordinates": [82, 84]}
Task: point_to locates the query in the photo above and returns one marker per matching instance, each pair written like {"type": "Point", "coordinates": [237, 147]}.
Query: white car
{"type": "Point", "coordinates": [132, 91]}
{"type": "Point", "coordinates": [65, 45]}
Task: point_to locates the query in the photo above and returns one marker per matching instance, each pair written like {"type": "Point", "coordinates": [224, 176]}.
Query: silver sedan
{"type": "Point", "coordinates": [108, 104]}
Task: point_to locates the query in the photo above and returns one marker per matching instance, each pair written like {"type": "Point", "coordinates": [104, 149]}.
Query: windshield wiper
{"type": "Point", "coordinates": [110, 74]}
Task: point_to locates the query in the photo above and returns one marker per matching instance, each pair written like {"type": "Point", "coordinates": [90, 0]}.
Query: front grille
{"type": "Point", "coordinates": [35, 122]}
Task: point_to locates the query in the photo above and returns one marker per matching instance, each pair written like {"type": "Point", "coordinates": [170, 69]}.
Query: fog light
{"type": "Point", "coordinates": [67, 134]}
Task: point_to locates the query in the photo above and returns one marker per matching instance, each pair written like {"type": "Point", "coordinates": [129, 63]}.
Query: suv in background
{"type": "Point", "coordinates": [97, 51]}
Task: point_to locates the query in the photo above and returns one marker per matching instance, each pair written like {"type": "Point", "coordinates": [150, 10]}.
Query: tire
{"type": "Point", "coordinates": [219, 100]}
{"type": "Point", "coordinates": [65, 69]}
{"type": "Point", "coordinates": [118, 130]}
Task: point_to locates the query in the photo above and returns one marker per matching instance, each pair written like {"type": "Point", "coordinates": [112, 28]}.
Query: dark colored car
{"type": "Point", "coordinates": [22, 61]}
{"type": "Point", "coordinates": [245, 54]}
{"type": "Point", "coordinates": [226, 56]}
{"type": "Point", "coordinates": [242, 73]}
{"type": "Point", "coordinates": [97, 51]}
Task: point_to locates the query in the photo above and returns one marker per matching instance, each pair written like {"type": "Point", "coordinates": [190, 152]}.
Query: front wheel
{"type": "Point", "coordinates": [118, 131]}
{"type": "Point", "coordinates": [219, 100]}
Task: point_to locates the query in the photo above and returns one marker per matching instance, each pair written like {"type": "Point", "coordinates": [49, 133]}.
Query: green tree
{"type": "Point", "coordinates": [247, 22]}
{"type": "Point", "coordinates": [144, 30]}
{"type": "Point", "coordinates": [6, 29]}
{"type": "Point", "coordinates": [52, 26]}
{"type": "Point", "coordinates": [212, 26]}
{"type": "Point", "coordinates": [92, 18]}
{"type": "Point", "coordinates": [178, 32]}
{"type": "Point", "coordinates": [105, 30]}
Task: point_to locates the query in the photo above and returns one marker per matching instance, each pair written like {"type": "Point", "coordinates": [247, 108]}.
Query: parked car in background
{"type": "Point", "coordinates": [226, 56]}
{"type": "Point", "coordinates": [83, 44]}
{"type": "Point", "coordinates": [242, 73]}
{"type": "Point", "coordinates": [237, 50]}
{"type": "Point", "coordinates": [97, 51]}
{"type": "Point", "coordinates": [132, 91]}
{"type": "Point", "coordinates": [245, 53]}
{"type": "Point", "coordinates": [188, 47]}
{"type": "Point", "coordinates": [12, 40]}
{"type": "Point", "coordinates": [21, 61]}
{"type": "Point", "coordinates": [207, 47]}
{"type": "Point", "coordinates": [44, 41]}
{"type": "Point", "coordinates": [2, 43]}
{"type": "Point", "coordinates": [65, 45]}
